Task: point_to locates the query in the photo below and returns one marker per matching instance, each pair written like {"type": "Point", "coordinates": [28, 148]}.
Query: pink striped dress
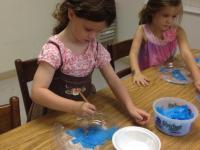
{"type": "Point", "coordinates": [155, 51]}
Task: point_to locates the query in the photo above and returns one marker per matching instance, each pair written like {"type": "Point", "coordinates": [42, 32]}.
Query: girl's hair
{"type": "Point", "coordinates": [154, 6]}
{"type": "Point", "coordinates": [93, 10]}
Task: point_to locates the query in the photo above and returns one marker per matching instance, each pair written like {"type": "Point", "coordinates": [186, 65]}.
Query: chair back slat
{"type": "Point", "coordinates": [121, 49]}
{"type": "Point", "coordinates": [25, 72]}
{"type": "Point", "coordinates": [117, 51]}
{"type": "Point", "coordinates": [10, 115]}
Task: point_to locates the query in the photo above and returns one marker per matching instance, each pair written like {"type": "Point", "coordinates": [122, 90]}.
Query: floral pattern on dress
{"type": "Point", "coordinates": [75, 65]}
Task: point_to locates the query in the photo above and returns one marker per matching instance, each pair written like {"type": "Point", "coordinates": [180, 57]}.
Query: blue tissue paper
{"type": "Point", "coordinates": [176, 112]}
{"type": "Point", "coordinates": [95, 135]}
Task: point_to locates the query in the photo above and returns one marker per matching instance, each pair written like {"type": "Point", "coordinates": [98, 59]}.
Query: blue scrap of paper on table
{"type": "Point", "coordinates": [96, 135]}
{"type": "Point", "coordinates": [176, 73]}
{"type": "Point", "coordinates": [197, 60]}
{"type": "Point", "coordinates": [163, 69]}
{"type": "Point", "coordinates": [177, 112]}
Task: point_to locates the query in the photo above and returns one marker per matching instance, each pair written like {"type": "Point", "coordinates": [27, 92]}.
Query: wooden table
{"type": "Point", "coordinates": [38, 134]}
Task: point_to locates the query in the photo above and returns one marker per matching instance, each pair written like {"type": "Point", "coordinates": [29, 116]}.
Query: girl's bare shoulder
{"type": "Point", "coordinates": [179, 30]}
{"type": "Point", "coordinates": [140, 32]}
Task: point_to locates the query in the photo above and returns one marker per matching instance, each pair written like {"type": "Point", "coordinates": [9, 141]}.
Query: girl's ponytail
{"type": "Point", "coordinates": [145, 15]}
{"type": "Point", "coordinates": [61, 15]}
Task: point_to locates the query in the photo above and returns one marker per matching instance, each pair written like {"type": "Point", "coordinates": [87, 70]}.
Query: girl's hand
{"type": "Point", "coordinates": [141, 117]}
{"type": "Point", "coordinates": [140, 79]}
{"type": "Point", "coordinates": [84, 109]}
{"type": "Point", "coordinates": [197, 84]}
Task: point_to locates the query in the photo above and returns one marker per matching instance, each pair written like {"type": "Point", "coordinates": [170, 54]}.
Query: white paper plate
{"type": "Point", "coordinates": [135, 138]}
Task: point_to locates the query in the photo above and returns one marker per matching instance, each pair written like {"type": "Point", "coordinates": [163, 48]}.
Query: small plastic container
{"type": "Point", "coordinates": [98, 119]}
{"type": "Point", "coordinates": [173, 127]}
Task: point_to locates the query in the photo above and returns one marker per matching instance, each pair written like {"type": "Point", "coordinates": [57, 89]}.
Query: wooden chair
{"type": "Point", "coordinates": [10, 115]}
{"type": "Point", "coordinates": [25, 73]}
{"type": "Point", "coordinates": [117, 51]}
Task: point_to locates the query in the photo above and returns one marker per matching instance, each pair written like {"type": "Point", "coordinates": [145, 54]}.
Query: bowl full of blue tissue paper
{"type": "Point", "coordinates": [174, 116]}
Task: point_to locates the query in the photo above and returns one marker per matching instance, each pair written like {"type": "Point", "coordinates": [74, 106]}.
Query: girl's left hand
{"type": "Point", "coordinates": [197, 84]}
{"type": "Point", "coordinates": [141, 117]}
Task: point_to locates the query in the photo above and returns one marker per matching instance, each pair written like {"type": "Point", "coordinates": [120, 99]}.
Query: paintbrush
{"type": "Point", "coordinates": [91, 120]}
{"type": "Point", "coordinates": [83, 97]}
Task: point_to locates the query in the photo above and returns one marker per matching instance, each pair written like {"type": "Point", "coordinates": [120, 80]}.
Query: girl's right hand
{"type": "Point", "coordinates": [140, 79]}
{"type": "Point", "coordinates": [85, 109]}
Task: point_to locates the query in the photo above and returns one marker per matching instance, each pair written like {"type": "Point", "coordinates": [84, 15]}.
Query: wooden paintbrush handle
{"type": "Point", "coordinates": [84, 98]}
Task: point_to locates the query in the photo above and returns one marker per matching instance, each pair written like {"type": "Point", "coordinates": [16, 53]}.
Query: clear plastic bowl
{"type": "Point", "coordinates": [137, 138]}
{"type": "Point", "coordinates": [170, 126]}
{"type": "Point", "coordinates": [98, 118]}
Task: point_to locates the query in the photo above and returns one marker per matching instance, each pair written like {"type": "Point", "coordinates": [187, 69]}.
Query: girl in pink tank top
{"type": "Point", "coordinates": [157, 37]}
{"type": "Point", "coordinates": [155, 51]}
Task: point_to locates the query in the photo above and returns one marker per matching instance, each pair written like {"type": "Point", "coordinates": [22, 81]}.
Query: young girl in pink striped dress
{"type": "Point", "coordinates": [156, 40]}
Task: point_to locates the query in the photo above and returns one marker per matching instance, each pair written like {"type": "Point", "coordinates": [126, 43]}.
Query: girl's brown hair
{"type": "Point", "coordinates": [154, 6]}
{"type": "Point", "coordinates": [93, 10]}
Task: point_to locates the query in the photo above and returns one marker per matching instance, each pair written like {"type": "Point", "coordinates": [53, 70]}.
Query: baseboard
{"type": "Point", "coordinates": [7, 74]}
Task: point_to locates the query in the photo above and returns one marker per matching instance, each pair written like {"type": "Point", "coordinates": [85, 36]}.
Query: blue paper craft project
{"type": "Point", "coordinates": [164, 69]}
{"type": "Point", "coordinates": [177, 74]}
{"type": "Point", "coordinates": [197, 60]}
{"type": "Point", "coordinates": [95, 135]}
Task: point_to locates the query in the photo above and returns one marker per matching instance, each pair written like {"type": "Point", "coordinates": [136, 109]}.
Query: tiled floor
{"type": "Point", "coordinates": [10, 87]}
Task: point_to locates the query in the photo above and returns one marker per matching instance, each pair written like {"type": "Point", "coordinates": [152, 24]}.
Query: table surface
{"type": "Point", "coordinates": [38, 134]}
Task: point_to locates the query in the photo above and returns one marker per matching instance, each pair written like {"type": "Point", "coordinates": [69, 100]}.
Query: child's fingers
{"type": "Point", "coordinates": [91, 106]}
{"type": "Point", "coordinates": [138, 117]}
{"type": "Point", "coordinates": [145, 118]}
{"type": "Point", "coordinates": [89, 109]}
{"type": "Point", "coordinates": [90, 112]}
{"type": "Point", "coordinates": [147, 79]}
{"type": "Point", "coordinates": [143, 121]}
{"type": "Point", "coordinates": [138, 82]}
{"type": "Point", "coordinates": [142, 82]}
{"type": "Point", "coordinates": [145, 83]}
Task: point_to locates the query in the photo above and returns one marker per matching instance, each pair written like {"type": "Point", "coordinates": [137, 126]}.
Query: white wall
{"type": "Point", "coordinates": [26, 25]}
{"type": "Point", "coordinates": [191, 24]}
{"type": "Point", "coordinates": [127, 17]}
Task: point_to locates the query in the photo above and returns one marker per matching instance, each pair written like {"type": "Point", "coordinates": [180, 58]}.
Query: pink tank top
{"type": "Point", "coordinates": [155, 51]}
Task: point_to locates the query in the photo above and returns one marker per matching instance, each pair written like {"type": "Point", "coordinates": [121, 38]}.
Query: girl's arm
{"type": "Point", "coordinates": [121, 93]}
{"type": "Point", "coordinates": [187, 56]}
{"type": "Point", "coordinates": [42, 95]}
{"type": "Point", "coordinates": [138, 78]}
